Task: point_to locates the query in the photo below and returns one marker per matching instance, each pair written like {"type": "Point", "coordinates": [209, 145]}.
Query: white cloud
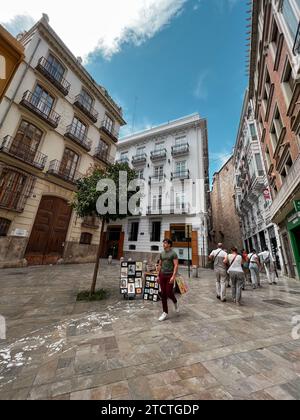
{"type": "Point", "coordinates": [200, 91]}
{"type": "Point", "coordinates": [104, 25]}
{"type": "Point", "coordinates": [220, 158]}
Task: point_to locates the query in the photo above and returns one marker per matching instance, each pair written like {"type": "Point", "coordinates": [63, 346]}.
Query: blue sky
{"type": "Point", "coordinates": [195, 64]}
{"type": "Point", "coordinates": [176, 57]}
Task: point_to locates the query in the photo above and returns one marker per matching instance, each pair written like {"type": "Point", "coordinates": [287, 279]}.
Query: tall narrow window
{"type": "Point", "coordinates": [55, 68]}
{"type": "Point", "coordinates": [156, 232]}
{"type": "Point", "coordinates": [27, 139]}
{"type": "Point", "coordinates": [288, 81]}
{"type": "Point", "coordinates": [159, 173]}
{"type": "Point", "coordinates": [42, 100]}
{"type": "Point", "coordinates": [253, 132]}
{"type": "Point", "coordinates": [134, 232]}
{"type": "Point", "coordinates": [180, 168]}
{"type": "Point", "coordinates": [259, 164]}
{"type": "Point", "coordinates": [79, 129]}
{"type": "Point", "coordinates": [108, 123]}
{"type": "Point", "coordinates": [87, 100]}
{"type": "Point", "coordinates": [103, 148]}
{"type": "Point", "coordinates": [12, 185]}
{"type": "Point", "coordinates": [69, 164]}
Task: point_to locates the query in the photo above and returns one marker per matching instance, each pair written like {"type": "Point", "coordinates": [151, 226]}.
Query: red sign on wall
{"type": "Point", "coordinates": [267, 194]}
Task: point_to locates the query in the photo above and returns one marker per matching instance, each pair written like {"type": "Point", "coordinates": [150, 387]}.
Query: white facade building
{"type": "Point", "coordinates": [172, 159]}
{"type": "Point", "coordinates": [252, 192]}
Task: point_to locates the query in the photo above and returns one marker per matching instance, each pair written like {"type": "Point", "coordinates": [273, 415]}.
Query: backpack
{"type": "Point", "coordinates": [268, 259]}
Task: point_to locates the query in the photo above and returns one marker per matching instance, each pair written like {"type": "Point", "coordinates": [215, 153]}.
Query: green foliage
{"type": "Point", "coordinates": [97, 296]}
{"type": "Point", "coordinates": [86, 197]}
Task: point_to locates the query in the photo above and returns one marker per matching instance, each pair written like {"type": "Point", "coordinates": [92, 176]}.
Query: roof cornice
{"type": "Point", "coordinates": [43, 27]}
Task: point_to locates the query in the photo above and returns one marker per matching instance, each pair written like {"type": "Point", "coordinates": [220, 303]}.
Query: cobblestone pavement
{"type": "Point", "coordinates": [57, 348]}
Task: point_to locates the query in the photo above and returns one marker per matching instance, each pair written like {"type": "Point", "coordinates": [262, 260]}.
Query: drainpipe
{"type": "Point", "coordinates": [19, 84]}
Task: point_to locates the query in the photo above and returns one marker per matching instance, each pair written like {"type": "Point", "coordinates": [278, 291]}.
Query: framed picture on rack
{"type": "Point", "coordinates": [124, 272]}
{"type": "Point", "coordinates": [139, 266]}
{"type": "Point", "coordinates": [131, 270]}
{"type": "Point", "coordinates": [138, 284]}
{"type": "Point", "coordinates": [151, 292]}
{"type": "Point", "coordinates": [131, 289]}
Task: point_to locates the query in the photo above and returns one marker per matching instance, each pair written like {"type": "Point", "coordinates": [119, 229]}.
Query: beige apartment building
{"type": "Point", "coordinates": [56, 123]}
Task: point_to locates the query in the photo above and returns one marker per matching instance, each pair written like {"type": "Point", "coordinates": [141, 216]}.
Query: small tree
{"type": "Point", "coordinates": [87, 196]}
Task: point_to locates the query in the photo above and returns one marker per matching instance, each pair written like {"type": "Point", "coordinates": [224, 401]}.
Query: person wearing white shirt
{"type": "Point", "coordinates": [254, 267]}
{"type": "Point", "coordinates": [269, 264]}
{"type": "Point", "coordinates": [218, 256]}
{"type": "Point", "coordinates": [236, 274]}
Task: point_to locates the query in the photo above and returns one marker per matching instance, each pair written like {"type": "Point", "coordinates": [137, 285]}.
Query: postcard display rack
{"type": "Point", "coordinates": [131, 285]}
{"type": "Point", "coordinates": [151, 290]}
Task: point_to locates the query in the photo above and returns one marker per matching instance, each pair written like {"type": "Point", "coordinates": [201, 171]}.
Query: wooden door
{"type": "Point", "coordinates": [195, 249]}
{"type": "Point", "coordinates": [46, 243]}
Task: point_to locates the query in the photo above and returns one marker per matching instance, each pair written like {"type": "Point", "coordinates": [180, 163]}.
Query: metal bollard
{"type": "Point", "coordinates": [195, 272]}
{"type": "Point", "coordinates": [110, 258]}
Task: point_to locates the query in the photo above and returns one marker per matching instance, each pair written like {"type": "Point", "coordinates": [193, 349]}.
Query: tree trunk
{"type": "Point", "coordinates": [93, 288]}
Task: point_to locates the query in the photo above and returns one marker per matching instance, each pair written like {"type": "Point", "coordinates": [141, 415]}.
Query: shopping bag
{"type": "Point", "coordinates": [182, 285]}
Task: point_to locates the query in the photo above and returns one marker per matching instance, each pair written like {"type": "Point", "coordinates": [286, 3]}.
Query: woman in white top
{"type": "Point", "coordinates": [236, 273]}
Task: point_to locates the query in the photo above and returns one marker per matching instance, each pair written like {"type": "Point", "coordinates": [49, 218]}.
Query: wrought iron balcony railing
{"type": "Point", "coordinates": [22, 152]}
{"type": "Point", "coordinates": [53, 75]}
{"type": "Point", "coordinates": [79, 136]}
{"type": "Point", "coordinates": [157, 179]}
{"type": "Point", "coordinates": [41, 108]}
{"type": "Point", "coordinates": [123, 160]}
{"type": "Point", "coordinates": [139, 159]}
{"type": "Point", "coordinates": [159, 154]}
{"type": "Point", "coordinates": [57, 169]}
{"type": "Point", "coordinates": [86, 108]}
{"type": "Point", "coordinates": [103, 156]}
{"type": "Point", "coordinates": [180, 150]}
{"type": "Point", "coordinates": [180, 175]}
{"type": "Point", "coordinates": [183, 208]}
{"type": "Point", "coordinates": [112, 133]}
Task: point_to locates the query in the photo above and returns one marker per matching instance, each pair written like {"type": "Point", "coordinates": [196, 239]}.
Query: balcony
{"type": "Point", "coordinates": [159, 155]}
{"type": "Point", "coordinates": [41, 108]}
{"type": "Point", "coordinates": [113, 134]}
{"type": "Point", "coordinates": [105, 158]}
{"type": "Point", "coordinates": [79, 136]}
{"type": "Point", "coordinates": [157, 179]}
{"type": "Point", "coordinates": [23, 153]}
{"type": "Point", "coordinates": [257, 183]}
{"type": "Point", "coordinates": [123, 160]}
{"type": "Point", "coordinates": [86, 108]}
{"type": "Point", "coordinates": [180, 150]}
{"type": "Point", "coordinates": [287, 188]}
{"type": "Point", "coordinates": [180, 175]}
{"type": "Point", "coordinates": [69, 175]}
{"type": "Point", "coordinates": [169, 209]}
{"type": "Point", "coordinates": [139, 159]}
{"type": "Point", "coordinates": [12, 200]}
{"type": "Point", "coordinates": [49, 71]}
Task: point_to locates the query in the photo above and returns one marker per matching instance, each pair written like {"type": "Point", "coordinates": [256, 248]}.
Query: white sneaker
{"type": "Point", "coordinates": [176, 305]}
{"type": "Point", "coordinates": [163, 317]}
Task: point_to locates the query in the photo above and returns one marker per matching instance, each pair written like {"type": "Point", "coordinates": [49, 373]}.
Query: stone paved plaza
{"type": "Point", "coordinates": [57, 348]}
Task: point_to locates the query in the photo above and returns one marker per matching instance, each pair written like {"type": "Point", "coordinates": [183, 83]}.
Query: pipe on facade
{"type": "Point", "coordinates": [19, 84]}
